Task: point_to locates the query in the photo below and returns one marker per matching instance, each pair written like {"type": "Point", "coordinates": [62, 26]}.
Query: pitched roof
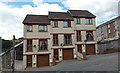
{"type": "Point", "coordinates": [60, 16]}
{"type": "Point", "coordinates": [36, 19]}
{"type": "Point", "coordinates": [81, 13]}
{"type": "Point", "coordinates": [110, 21]}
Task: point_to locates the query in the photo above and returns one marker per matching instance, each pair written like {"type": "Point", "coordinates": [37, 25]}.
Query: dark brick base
{"type": "Point", "coordinates": [111, 51]}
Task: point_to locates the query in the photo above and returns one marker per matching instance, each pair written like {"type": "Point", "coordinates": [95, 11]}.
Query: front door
{"type": "Point", "coordinates": [29, 61]}
{"type": "Point", "coordinates": [56, 54]}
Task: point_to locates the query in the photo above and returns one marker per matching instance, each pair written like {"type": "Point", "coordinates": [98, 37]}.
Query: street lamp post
{"type": "Point", "coordinates": [13, 60]}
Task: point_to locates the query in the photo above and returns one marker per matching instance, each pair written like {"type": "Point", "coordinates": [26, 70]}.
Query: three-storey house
{"type": "Point", "coordinates": [58, 36]}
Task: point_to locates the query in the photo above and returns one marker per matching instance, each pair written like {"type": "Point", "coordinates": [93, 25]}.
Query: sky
{"type": "Point", "coordinates": [13, 12]}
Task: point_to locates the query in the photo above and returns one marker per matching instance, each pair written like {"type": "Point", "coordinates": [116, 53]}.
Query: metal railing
{"type": "Point", "coordinates": [55, 41]}
{"type": "Point", "coordinates": [67, 41]}
{"type": "Point", "coordinates": [43, 47]}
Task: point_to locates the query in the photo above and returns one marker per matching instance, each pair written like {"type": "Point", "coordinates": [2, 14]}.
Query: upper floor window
{"type": "Point", "coordinates": [89, 35]}
{"type": "Point", "coordinates": [55, 39]}
{"type": "Point", "coordinates": [78, 35]}
{"type": "Point", "coordinates": [42, 28]}
{"type": "Point", "coordinates": [43, 44]}
{"type": "Point", "coordinates": [67, 39]}
{"type": "Point", "coordinates": [109, 31]}
{"type": "Point", "coordinates": [29, 45]}
{"type": "Point", "coordinates": [67, 24]}
{"type": "Point", "coordinates": [89, 21]}
{"type": "Point", "coordinates": [55, 23]}
{"type": "Point", "coordinates": [78, 20]}
{"type": "Point", "coordinates": [108, 25]}
{"type": "Point", "coordinates": [29, 28]}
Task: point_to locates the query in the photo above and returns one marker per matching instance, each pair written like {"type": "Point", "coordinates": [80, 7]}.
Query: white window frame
{"type": "Point", "coordinates": [88, 21]}
{"type": "Point", "coordinates": [55, 23]}
{"type": "Point", "coordinates": [78, 20]}
{"type": "Point", "coordinates": [29, 28]}
{"type": "Point", "coordinates": [44, 27]}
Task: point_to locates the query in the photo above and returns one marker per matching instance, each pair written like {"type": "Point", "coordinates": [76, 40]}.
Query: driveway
{"type": "Point", "coordinates": [104, 62]}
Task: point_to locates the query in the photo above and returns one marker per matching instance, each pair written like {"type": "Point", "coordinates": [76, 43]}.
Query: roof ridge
{"type": "Point", "coordinates": [109, 21]}
{"type": "Point", "coordinates": [36, 15]}
{"type": "Point", "coordinates": [77, 10]}
{"type": "Point", "coordinates": [57, 12]}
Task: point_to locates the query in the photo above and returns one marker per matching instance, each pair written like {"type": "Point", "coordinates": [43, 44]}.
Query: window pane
{"type": "Point", "coordinates": [89, 35]}
{"type": "Point", "coordinates": [55, 24]}
{"type": "Point", "coordinates": [69, 24]}
{"type": "Point", "coordinates": [40, 44]}
{"type": "Point", "coordinates": [43, 45]}
{"type": "Point", "coordinates": [55, 39]}
{"type": "Point", "coordinates": [78, 36]}
{"type": "Point", "coordinates": [67, 39]}
{"type": "Point", "coordinates": [78, 20]}
{"type": "Point", "coordinates": [42, 28]}
{"type": "Point", "coordinates": [45, 28]}
{"type": "Point", "coordinates": [65, 24]}
{"type": "Point", "coordinates": [88, 21]}
{"type": "Point", "coordinates": [29, 27]}
{"type": "Point", "coordinates": [29, 45]}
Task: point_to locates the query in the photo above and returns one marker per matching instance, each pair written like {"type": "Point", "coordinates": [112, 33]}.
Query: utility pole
{"type": "Point", "coordinates": [13, 60]}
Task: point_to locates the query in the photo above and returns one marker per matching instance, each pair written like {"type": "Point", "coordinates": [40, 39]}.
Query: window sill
{"type": "Point", "coordinates": [89, 40]}
{"type": "Point", "coordinates": [88, 24]}
{"type": "Point", "coordinates": [29, 31]}
{"type": "Point", "coordinates": [29, 51]}
{"type": "Point", "coordinates": [67, 27]}
{"type": "Point", "coordinates": [55, 45]}
{"type": "Point", "coordinates": [42, 50]}
{"type": "Point", "coordinates": [68, 45]}
{"type": "Point", "coordinates": [54, 27]}
{"type": "Point", "coordinates": [79, 41]}
{"type": "Point", "coordinates": [42, 31]}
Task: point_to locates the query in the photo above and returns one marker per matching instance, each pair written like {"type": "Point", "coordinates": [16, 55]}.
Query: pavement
{"type": "Point", "coordinates": [104, 62]}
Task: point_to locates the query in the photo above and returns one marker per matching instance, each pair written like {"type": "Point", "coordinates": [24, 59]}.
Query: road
{"type": "Point", "coordinates": [104, 62]}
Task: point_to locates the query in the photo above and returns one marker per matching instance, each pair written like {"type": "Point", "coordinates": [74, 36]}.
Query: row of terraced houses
{"type": "Point", "coordinates": [58, 36]}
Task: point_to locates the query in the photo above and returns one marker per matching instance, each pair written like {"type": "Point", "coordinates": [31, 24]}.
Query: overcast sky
{"type": "Point", "coordinates": [12, 12]}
